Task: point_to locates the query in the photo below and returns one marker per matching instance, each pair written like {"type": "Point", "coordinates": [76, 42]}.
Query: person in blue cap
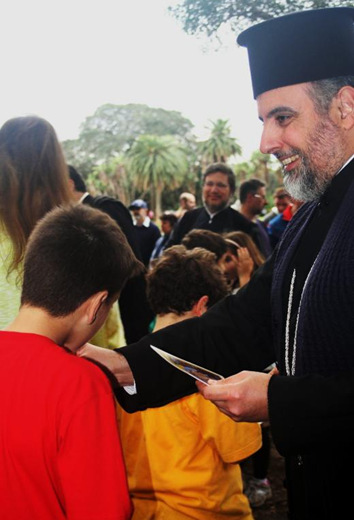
{"type": "Point", "coordinates": [297, 310]}
{"type": "Point", "coordinates": [146, 231]}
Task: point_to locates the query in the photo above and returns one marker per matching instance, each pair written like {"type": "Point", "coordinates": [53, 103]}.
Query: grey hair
{"type": "Point", "coordinates": [323, 91]}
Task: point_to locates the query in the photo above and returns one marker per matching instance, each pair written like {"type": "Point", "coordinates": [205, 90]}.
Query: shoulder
{"type": "Point", "coordinates": [240, 219]}
{"type": "Point", "coordinates": [102, 202]}
{"type": "Point", "coordinates": [79, 376]}
{"type": "Point", "coordinates": [190, 217]}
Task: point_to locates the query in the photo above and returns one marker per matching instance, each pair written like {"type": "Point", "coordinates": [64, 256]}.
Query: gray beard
{"type": "Point", "coordinates": [308, 185]}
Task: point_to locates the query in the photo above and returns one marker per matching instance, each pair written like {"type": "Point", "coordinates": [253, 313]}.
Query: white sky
{"type": "Point", "coordinates": [62, 60]}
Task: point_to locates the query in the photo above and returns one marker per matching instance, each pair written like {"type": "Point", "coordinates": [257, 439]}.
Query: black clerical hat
{"type": "Point", "coordinates": [300, 47]}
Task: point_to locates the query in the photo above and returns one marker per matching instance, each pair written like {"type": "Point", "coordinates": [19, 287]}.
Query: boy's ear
{"type": "Point", "coordinates": [94, 304]}
{"type": "Point", "coordinates": [201, 305]}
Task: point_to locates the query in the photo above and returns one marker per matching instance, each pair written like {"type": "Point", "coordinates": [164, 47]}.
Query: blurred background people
{"type": "Point", "coordinates": [253, 200]}
{"type": "Point", "coordinates": [242, 260]}
{"type": "Point", "coordinates": [146, 231]}
{"type": "Point", "coordinates": [215, 215]}
{"type": "Point", "coordinates": [281, 200]}
{"type": "Point", "coordinates": [33, 180]}
{"type": "Point", "coordinates": [186, 202]}
{"type": "Point", "coordinates": [278, 224]}
{"type": "Point", "coordinates": [168, 222]}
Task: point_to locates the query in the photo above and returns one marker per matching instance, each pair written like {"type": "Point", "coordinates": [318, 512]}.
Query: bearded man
{"type": "Point", "coordinates": [216, 214]}
{"type": "Point", "coordinates": [297, 310]}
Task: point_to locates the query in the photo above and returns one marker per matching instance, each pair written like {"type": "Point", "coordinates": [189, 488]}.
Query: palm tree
{"type": "Point", "coordinates": [157, 162]}
{"type": "Point", "coordinates": [220, 146]}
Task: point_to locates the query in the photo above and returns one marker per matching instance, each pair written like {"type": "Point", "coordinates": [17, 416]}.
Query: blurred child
{"type": "Point", "coordinates": [182, 459]}
{"type": "Point", "coordinates": [60, 454]}
{"type": "Point", "coordinates": [243, 259]}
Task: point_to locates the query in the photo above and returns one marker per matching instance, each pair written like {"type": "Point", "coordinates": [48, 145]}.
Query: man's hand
{"type": "Point", "coordinates": [243, 397]}
{"type": "Point", "coordinates": [111, 359]}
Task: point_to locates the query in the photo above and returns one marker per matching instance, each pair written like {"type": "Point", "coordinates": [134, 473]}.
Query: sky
{"type": "Point", "coordinates": [62, 60]}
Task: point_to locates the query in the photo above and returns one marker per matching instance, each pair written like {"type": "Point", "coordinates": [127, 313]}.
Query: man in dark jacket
{"type": "Point", "coordinates": [297, 309]}
{"type": "Point", "coordinates": [134, 309]}
{"type": "Point", "coordinates": [216, 214]}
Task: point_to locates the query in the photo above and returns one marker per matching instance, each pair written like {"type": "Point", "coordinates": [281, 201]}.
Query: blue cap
{"type": "Point", "coordinates": [138, 204]}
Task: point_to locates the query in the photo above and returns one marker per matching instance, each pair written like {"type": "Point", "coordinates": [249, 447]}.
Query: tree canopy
{"type": "Point", "coordinates": [207, 16]}
{"type": "Point", "coordinates": [157, 162]}
{"type": "Point", "coordinates": [112, 129]}
{"type": "Point", "coordinates": [220, 145]}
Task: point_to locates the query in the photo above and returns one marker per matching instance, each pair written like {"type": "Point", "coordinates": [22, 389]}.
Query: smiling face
{"type": "Point", "coordinates": [310, 147]}
{"type": "Point", "coordinates": [216, 192]}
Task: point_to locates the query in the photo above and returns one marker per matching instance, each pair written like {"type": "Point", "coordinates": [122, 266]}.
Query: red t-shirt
{"type": "Point", "coordinates": [60, 454]}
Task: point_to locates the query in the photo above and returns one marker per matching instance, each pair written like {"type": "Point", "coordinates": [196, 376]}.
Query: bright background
{"type": "Point", "coordinates": [62, 60]}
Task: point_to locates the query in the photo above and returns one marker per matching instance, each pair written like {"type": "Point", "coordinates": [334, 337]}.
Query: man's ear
{"type": "Point", "coordinates": [94, 303]}
{"type": "Point", "coordinates": [201, 306]}
{"type": "Point", "coordinates": [344, 106]}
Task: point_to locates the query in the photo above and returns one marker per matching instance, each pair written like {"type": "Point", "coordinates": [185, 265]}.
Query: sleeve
{"type": "Point", "coordinates": [91, 466]}
{"type": "Point", "coordinates": [233, 335]}
{"type": "Point", "coordinates": [308, 410]}
{"type": "Point", "coordinates": [233, 441]}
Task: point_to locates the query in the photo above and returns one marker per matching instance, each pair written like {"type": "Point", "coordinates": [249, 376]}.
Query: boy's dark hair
{"type": "Point", "coordinates": [221, 168]}
{"type": "Point", "coordinates": [181, 277]}
{"type": "Point", "coordinates": [73, 253]}
{"type": "Point", "coordinates": [78, 181]}
{"type": "Point", "coordinates": [207, 239]}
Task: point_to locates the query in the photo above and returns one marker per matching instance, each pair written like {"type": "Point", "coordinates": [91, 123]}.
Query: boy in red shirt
{"type": "Point", "coordinates": [60, 454]}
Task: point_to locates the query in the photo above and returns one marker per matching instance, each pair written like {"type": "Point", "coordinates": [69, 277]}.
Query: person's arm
{"type": "Point", "coordinates": [303, 411]}
{"type": "Point", "coordinates": [110, 359]}
{"type": "Point", "coordinates": [233, 335]}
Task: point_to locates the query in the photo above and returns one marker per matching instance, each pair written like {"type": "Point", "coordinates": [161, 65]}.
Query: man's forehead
{"type": "Point", "coordinates": [216, 174]}
{"type": "Point", "coordinates": [292, 98]}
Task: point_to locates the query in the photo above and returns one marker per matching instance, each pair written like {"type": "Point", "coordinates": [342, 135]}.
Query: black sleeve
{"type": "Point", "coordinates": [233, 335]}
{"type": "Point", "coordinates": [306, 410]}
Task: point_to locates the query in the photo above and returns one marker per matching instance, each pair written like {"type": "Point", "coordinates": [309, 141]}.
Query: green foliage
{"type": "Point", "coordinates": [155, 163]}
{"type": "Point", "coordinates": [112, 129]}
{"type": "Point", "coordinates": [220, 146]}
{"type": "Point", "coordinates": [207, 16]}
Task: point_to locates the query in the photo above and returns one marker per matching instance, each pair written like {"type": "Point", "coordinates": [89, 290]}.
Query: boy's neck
{"type": "Point", "coordinates": [33, 320]}
{"type": "Point", "coordinates": [164, 320]}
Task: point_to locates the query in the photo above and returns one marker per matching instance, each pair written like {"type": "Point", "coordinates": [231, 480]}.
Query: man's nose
{"type": "Point", "coordinates": [270, 140]}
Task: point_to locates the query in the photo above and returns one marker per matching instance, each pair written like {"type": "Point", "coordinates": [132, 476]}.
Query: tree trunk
{"type": "Point", "coordinates": [158, 194]}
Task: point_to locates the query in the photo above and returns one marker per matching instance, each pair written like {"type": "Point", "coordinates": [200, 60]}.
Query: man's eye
{"type": "Point", "coordinates": [282, 120]}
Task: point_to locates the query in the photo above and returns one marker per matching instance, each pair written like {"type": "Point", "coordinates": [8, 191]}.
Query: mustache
{"type": "Point", "coordinates": [283, 155]}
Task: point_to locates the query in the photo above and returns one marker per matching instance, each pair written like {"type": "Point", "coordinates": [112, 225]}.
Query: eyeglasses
{"type": "Point", "coordinates": [220, 185]}
{"type": "Point", "coordinates": [258, 196]}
